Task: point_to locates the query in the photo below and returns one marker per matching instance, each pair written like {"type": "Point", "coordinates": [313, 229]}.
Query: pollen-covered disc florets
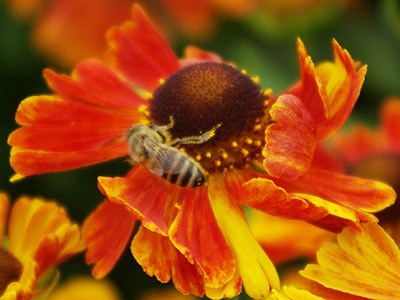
{"type": "Point", "coordinates": [204, 96]}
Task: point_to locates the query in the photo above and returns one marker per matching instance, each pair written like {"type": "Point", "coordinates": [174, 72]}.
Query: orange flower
{"type": "Point", "coordinates": [361, 265]}
{"type": "Point", "coordinates": [66, 31]}
{"type": "Point", "coordinates": [364, 264]}
{"type": "Point", "coordinates": [223, 122]}
{"type": "Point", "coordinates": [40, 236]}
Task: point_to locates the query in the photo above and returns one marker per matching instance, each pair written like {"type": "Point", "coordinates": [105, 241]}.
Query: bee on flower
{"type": "Point", "coordinates": [252, 148]}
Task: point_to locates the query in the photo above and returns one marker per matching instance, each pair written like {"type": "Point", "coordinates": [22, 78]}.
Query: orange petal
{"type": "Point", "coordinates": [196, 234]}
{"type": "Point", "coordinates": [60, 134]}
{"type": "Point", "coordinates": [330, 90]}
{"type": "Point", "coordinates": [264, 195]}
{"type": "Point", "coordinates": [106, 233]}
{"type": "Point", "coordinates": [284, 239]}
{"type": "Point", "coordinates": [158, 257]}
{"type": "Point", "coordinates": [256, 270]}
{"type": "Point", "coordinates": [139, 52]}
{"type": "Point", "coordinates": [42, 231]}
{"type": "Point", "coordinates": [93, 81]}
{"type": "Point", "coordinates": [140, 195]}
{"type": "Point", "coordinates": [30, 162]}
{"type": "Point", "coordinates": [4, 207]}
{"type": "Point", "coordinates": [353, 192]}
{"type": "Point", "coordinates": [391, 122]}
{"type": "Point", "coordinates": [365, 264]}
{"type": "Point", "coordinates": [290, 142]}
{"type": "Point", "coordinates": [194, 55]}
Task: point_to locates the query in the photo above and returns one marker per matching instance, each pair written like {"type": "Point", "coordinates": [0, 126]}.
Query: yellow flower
{"type": "Point", "coordinates": [40, 236]}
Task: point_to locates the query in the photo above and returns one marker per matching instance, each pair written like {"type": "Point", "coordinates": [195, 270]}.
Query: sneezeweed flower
{"type": "Point", "coordinates": [85, 288]}
{"type": "Point", "coordinates": [198, 237]}
{"type": "Point", "coordinates": [360, 265]}
{"type": "Point", "coordinates": [375, 153]}
{"type": "Point", "coordinates": [83, 37]}
{"type": "Point", "coordinates": [39, 237]}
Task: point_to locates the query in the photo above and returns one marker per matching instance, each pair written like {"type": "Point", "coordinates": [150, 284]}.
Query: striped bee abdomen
{"type": "Point", "coordinates": [185, 172]}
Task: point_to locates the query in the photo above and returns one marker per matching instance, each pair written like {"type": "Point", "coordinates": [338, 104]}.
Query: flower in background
{"type": "Point", "coordinates": [360, 265]}
{"type": "Point", "coordinates": [198, 237]}
{"type": "Point", "coordinates": [285, 240]}
{"type": "Point", "coordinates": [375, 153]}
{"type": "Point", "coordinates": [64, 38]}
{"type": "Point", "coordinates": [39, 237]}
{"type": "Point", "coordinates": [85, 288]}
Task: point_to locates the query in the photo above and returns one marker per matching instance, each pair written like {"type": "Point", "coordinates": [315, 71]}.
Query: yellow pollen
{"type": "Point", "coordinates": [217, 163]}
{"type": "Point", "coordinates": [142, 109]}
{"type": "Point", "coordinates": [268, 92]}
{"type": "Point", "coordinates": [248, 141]}
{"type": "Point", "coordinates": [208, 154]}
{"type": "Point", "coordinates": [256, 79]}
{"type": "Point", "coordinates": [148, 95]}
{"type": "Point", "coordinates": [182, 149]}
{"type": "Point", "coordinates": [257, 143]}
{"type": "Point", "coordinates": [198, 157]}
{"type": "Point", "coordinates": [161, 81]}
{"type": "Point", "coordinates": [244, 152]}
{"type": "Point", "coordinates": [234, 144]}
{"type": "Point", "coordinates": [257, 127]}
{"type": "Point", "coordinates": [223, 154]}
{"type": "Point", "coordinates": [244, 71]}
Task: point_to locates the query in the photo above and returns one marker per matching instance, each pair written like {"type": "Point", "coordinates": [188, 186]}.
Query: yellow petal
{"type": "Point", "coordinates": [256, 270]}
{"type": "Point", "coordinates": [365, 264]}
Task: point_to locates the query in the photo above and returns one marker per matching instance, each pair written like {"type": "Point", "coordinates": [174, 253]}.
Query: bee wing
{"type": "Point", "coordinates": [163, 159]}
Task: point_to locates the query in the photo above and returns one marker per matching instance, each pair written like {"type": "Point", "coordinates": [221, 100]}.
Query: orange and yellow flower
{"type": "Point", "coordinates": [39, 237]}
{"type": "Point", "coordinates": [67, 31]}
{"type": "Point", "coordinates": [360, 265]}
{"type": "Point", "coordinates": [198, 237]}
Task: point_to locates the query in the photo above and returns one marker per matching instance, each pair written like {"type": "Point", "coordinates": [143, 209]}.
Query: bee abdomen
{"type": "Point", "coordinates": [189, 176]}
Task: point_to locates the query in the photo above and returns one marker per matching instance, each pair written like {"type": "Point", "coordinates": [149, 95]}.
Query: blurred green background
{"type": "Point", "coordinates": [263, 44]}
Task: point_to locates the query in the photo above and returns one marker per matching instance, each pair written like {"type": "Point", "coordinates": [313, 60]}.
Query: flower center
{"type": "Point", "coordinates": [10, 269]}
{"type": "Point", "coordinates": [210, 95]}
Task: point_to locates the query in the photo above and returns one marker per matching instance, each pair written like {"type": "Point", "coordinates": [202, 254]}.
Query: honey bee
{"type": "Point", "coordinates": [154, 148]}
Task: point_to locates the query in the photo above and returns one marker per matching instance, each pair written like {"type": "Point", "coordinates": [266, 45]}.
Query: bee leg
{"type": "Point", "coordinates": [196, 139]}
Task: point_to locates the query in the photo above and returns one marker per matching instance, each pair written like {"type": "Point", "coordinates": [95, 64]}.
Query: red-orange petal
{"type": "Point", "coordinates": [391, 122]}
{"type": "Point", "coordinates": [140, 195]}
{"type": "Point", "coordinates": [194, 55]}
{"type": "Point", "coordinates": [32, 162]}
{"type": "Point", "coordinates": [343, 84]}
{"type": "Point", "coordinates": [106, 233]}
{"type": "Point", "coordinates": [330, 90]}
{"type": "Point", "coordinates": [352, 192]}
{"type": "Point", "coordinates": [264, 195]}
{"type": "Point", "coordinates": [290, 142]}
{"type": "Point", "coordinates": [158, 257]}
{"type": "Point", "coordinates": [139, 53]}
{"type": "Point", "coordinates": [196, 234]}
{"type": "Point", "coordinates": [93, 81]}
